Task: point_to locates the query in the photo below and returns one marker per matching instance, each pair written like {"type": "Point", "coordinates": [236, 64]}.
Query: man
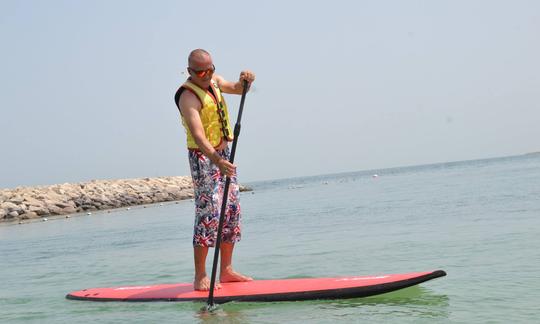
{"type": "Point", "coordinates": [206, 120]}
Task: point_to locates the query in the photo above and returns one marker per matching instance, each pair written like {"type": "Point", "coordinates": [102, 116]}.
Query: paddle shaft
{"type": "Point", "coordinates": [225, 198]}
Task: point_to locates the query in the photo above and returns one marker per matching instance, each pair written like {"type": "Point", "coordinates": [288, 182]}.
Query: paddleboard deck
{"type": "Point", "coordinates": [263, 290]}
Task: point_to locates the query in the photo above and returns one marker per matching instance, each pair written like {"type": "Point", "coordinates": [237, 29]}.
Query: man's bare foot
{"type": "Point", "coordinates": [229, 275]}
{"type": "Point", "coordinates": [203, 284]}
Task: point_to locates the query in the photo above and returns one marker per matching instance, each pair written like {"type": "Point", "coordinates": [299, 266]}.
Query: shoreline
{"type": "Point", "coordinates": [39, 202]}
{"type": "Point", "coordinates": [50, 218]}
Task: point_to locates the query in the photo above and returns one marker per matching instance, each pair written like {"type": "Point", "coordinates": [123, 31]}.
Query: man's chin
{"type": "Point", "coordinates": [203, 84]}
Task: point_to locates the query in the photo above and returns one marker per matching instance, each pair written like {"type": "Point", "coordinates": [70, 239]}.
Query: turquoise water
{"type": "Point", "coordinates": [477, 220]}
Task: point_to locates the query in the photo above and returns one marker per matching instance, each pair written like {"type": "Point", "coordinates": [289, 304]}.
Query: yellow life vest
{"type": "Point", "coordinates": [214, 115]}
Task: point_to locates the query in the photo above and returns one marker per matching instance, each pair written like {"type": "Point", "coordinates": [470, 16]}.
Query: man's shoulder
{"type": "Point", "coordinates": [188, 99]}
{"type": "Point", "coordinates": [218, 79]}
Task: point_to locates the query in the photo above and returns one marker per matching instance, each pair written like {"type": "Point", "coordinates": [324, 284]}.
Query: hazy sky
{"type": "Point", "coordinates": [86, 87]}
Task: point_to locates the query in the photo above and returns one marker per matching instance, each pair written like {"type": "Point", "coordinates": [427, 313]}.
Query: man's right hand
{"type": "Point", "coordinates": [226, 167]}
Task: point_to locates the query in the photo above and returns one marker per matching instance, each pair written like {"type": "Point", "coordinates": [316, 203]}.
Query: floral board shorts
{"type": "Point", "coordinates": [208, 185]}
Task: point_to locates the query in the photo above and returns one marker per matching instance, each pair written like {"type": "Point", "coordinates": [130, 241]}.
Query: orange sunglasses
{"type": "Point", "coordinates": [202, 73]}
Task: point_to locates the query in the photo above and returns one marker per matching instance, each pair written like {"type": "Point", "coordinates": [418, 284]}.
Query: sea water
{"type": "Point", "coordinates": [477, 220]}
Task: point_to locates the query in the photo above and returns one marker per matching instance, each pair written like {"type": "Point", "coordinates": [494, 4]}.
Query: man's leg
{"type": "Point", "coordinates": [201, 279]}
{"type": "Point", "coordinates": [227, 274]}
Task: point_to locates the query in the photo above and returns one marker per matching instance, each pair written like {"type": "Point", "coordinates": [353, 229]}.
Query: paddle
{"type": "Point", "coordinates": [210, 303]}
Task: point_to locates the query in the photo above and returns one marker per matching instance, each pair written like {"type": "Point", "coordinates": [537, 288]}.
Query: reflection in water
{"type": "Point", "coordinates": [222, 314]}
{"type": "Point", "coordinates": [414, 302]}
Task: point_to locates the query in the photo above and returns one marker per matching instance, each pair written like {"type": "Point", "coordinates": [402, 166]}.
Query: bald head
{"type": "Point", "coordinates": [198, 57]}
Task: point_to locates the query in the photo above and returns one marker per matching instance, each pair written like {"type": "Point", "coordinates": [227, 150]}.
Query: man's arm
{"type": "Point", "coordinates": [190, 106]}
{"type": "Point", "coordinates": [235, 87]}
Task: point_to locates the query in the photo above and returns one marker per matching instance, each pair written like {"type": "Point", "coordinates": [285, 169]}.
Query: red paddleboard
{"type": "Point", "coordinates": [263, 290]}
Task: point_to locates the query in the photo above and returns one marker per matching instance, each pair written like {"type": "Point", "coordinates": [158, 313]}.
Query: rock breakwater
{"type": "Point", "coordinates": [24, 203]}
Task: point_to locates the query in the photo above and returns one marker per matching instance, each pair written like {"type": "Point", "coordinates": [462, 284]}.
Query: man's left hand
{"type": "Point", "coordinates": [248, 76]}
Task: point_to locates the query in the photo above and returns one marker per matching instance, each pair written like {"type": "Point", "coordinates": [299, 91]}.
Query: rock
{"type": "Point", "coordinates": [65, 199]}
{"type": "Point", "coordinates": [243, 188]}
{"type": "Point", "coordinates": [63, 204]}
{"type": "Point", "coordinates": [55, 210]}
{"type": "Point", "coordinates": [11, 215]}
{"type": "Point", "coordinates": [39, 210]}
{"type": "Point", "coordinates": [160, 197]}
{"type": "Point", "coordinates": [17, 200]}
{"type": "Point", "coordinates": [67, 210]}
{"type": "Point", "coordinates": [29, 215]}
{"type": "Point", "coordinates": [146, 200]}
{"type": "Point", "coordinates": [78, 202]}
{"type": "Point", "coordinates": [9, 207]}
{"type": "Point", "coordinates": [33, 202]}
